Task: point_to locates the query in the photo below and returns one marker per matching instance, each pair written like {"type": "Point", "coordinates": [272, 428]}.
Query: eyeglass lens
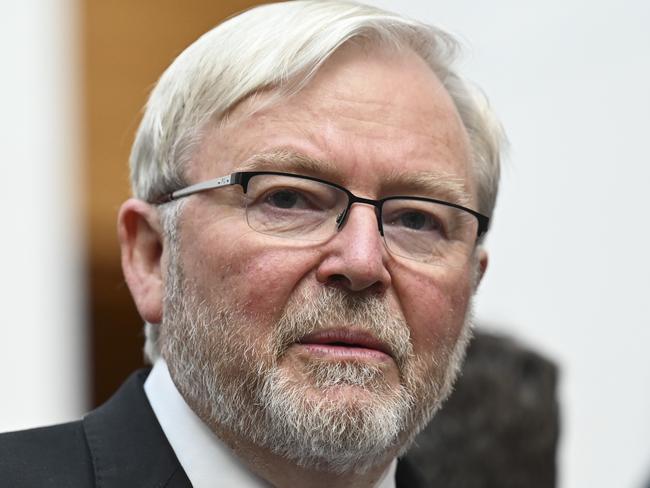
{"type": "Point", "coordinates": [303, 209]}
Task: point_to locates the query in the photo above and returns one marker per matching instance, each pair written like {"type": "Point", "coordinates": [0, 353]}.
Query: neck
{"type": "Point", "coordinates": [284, 473]}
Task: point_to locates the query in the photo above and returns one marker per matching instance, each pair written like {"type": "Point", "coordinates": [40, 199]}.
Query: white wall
{"type": "Point", "coordinates": [42, 341]}
{"type": "Point", "coordinates": [569, 268]}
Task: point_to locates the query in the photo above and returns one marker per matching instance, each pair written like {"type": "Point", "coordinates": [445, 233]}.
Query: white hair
{"type": "Point", "coordinates": [281, 46]}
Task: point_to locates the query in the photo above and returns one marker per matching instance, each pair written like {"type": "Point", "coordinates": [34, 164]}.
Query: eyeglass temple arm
{"type": "Point", "coordinates": [231, 179]}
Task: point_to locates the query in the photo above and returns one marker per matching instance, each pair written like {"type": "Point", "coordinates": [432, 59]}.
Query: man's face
{"type": "Point", "coordinates": [272, 333]}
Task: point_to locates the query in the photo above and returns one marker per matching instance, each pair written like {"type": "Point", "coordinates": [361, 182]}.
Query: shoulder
{"type": "Point", "coordinates": [71, 455]}
{"type": "Point", "coordinates": [118, 444]}
{"type": "Point", "coordinates": [55, 456]}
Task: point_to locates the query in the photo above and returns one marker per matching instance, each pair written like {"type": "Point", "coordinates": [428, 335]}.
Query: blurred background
{"type": "Point", "coordinates": [569, 269]}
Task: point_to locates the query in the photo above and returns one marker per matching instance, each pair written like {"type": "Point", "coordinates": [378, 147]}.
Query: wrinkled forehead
{"type": "Point", "coordinates": [354, 71]}
{"type": "Point", "coordinates": [367, 107]}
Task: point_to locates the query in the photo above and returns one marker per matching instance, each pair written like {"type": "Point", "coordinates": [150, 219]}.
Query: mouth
{"type": "Point", "coordinates": [345, 344]}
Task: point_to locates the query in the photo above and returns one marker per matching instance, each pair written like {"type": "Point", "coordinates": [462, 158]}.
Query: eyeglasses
{"type": "Point", "coordinates": [304, 208]}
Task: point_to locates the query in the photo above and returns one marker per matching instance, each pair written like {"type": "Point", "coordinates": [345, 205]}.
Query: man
{"type": "Point", "coordinates": [312, 186]}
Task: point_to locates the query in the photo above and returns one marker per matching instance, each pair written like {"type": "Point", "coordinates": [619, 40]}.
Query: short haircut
{"type": "Point", "coordinates": [280, 47]}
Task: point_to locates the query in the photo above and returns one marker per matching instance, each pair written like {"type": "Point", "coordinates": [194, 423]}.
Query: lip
{"type": "Point", "coordinates": [345, 343]}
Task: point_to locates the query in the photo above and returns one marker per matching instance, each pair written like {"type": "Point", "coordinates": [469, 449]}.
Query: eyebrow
{"type": "Point", "coordinates": [289, 161]}
{"type": "Point", "coordinates": [432, 184]}
{"type": "Point", "coordinates": [435, 184]}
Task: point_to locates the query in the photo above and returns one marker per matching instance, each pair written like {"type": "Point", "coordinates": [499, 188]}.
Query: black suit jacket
{"type": "Point", "coordinates": [118, 445]}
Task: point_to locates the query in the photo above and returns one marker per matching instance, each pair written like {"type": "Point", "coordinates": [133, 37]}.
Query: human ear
{"type": "Point", "coordinates": [141, 245]}
{"type": "Point", "coordinates": [482, 264]}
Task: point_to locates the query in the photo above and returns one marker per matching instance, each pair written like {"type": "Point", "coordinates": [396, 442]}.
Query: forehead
{"type": "Point", "coordinates": [369, 115]}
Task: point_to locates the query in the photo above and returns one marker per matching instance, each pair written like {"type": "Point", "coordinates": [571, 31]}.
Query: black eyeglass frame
{"type": "Point", "coordinates": [242, 178]}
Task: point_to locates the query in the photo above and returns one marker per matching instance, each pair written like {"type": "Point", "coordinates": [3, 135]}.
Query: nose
{"type": "Point", "coordinates": [355, 258]}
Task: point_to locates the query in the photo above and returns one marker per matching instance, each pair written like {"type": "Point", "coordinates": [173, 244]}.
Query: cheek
{"type": "Point", "coordinates": [252, 273]}
{"type": "Point", "coordinates": [435, 308]}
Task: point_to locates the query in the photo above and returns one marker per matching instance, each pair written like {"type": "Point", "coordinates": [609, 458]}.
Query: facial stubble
{"type": "Point", "coordinates": [238, 382]}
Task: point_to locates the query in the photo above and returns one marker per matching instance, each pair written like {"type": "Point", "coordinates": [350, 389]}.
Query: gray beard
{"type": "Point", "coordinates": [236, 382]}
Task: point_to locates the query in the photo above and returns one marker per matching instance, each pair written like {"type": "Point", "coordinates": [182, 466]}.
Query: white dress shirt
{"type": "Point", "coordinates": [203, 456]}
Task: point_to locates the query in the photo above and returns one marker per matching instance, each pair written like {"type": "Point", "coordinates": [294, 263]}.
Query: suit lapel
{"type": "Point", "coordinates": [128, 447]}
{"type": "Point", "coordinates": [407, 475]}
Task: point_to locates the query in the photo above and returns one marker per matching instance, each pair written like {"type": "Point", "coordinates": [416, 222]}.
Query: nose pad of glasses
{"type": "Point", "coordinates": [340, 219]}
{"type": "Point", "coordinates": [380, 225]}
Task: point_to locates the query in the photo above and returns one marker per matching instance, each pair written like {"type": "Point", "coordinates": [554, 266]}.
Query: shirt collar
{"type": "Point", "coordinates": [203, 456]}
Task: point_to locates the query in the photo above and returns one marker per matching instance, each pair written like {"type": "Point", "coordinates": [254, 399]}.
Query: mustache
{"type": "Point", "coordinates": [329, 307]}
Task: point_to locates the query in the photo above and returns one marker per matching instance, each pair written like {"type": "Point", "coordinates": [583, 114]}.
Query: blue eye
{"type": "Point", "coordinates": [413, 220]}
{"type": "Point", "coordinates": [283, 199]}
